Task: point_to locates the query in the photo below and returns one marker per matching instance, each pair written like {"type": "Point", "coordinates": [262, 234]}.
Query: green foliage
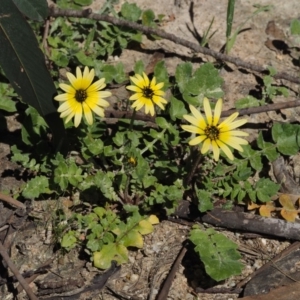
{"type": "Point", "coordinates": [218, 253]}
{"type": "Point", "coordinates": [204, 82]}
{"type": "Point", "coordinates": [125, 170]}
{"type": "Point", "coordinates": [35, 187]}
{"type": "Point", "coordinates": [107, 237]}
{"type": "Point", "coordinates": [6, 98]}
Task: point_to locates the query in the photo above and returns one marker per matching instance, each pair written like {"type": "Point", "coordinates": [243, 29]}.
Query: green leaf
{"type": "Point", "coordinates": [83, 2]}
{"type": "Point", "coordinates": [69, 240]}
{"type": "Point", "coordinates": [7, 104]}
{"type": "Point", "coordinates": [177, 109]}
{"type": "Point", "coordinates": [102, 259]}
{"type": "Point", "coordinates": [269, 149]}
{"type": "Point", "coordinates": [265, 189]}
{"type": "Point", "coordinates": [82, 58]}
{"type": "Point", "coordinates": [205, 201]}
{"type": "Point", "coordinates": [162, 122]}
{"type": "Point", "coordinates": [142, 168]}
{"type": "Point", "coordinates": [33, 9]}
{"type": "Point", "coordinates": [148, 18]}
{"type": "Point", "coordinates": [183, 74]}
{"type": "Point", "coordinates": [132, 239]}
{"type": "Point", "coordinates": [95, 146]}
{"type": "Point", "coordinates": [108, 72]}
{"type": "Point", "coordinates": [217, 252]}
{"type": "Point", "coordinates": [209, 81]}
{"type": "Point", "coordinates": [131, 12]}
{"type": "Point", "coordinates": [120, 75]}
{"type": "Point", "coordinates": [161, 74]}
{"type": "Point", "coordinates": [24, 65]}
{"type": "Point", "coordinates": [35, 187]}
{"type": "Point", "coordinates": [295, 27]}
{"type": "Point", "coordinates": [253, 156]}
{"type": "Point", "coordinates": [285, 135]}
{"type": "Point", "coordinates": [248, 101]}
{"type": "Point", "coordinates": [139, 67]}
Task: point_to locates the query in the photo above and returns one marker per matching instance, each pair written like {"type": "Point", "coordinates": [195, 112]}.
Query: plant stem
{"type": "Point", "coordinates": [194, 164]}
{"type": "Point", "coordinates": [132, 120]}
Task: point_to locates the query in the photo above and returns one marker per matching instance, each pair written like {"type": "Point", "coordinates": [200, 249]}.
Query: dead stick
{"type": "Point", "coordinates": [261, 109]}
{"type": "Point", "coordinates": [57, 12]}
{"type": "Point", "coordinates": [163, 294]}
{"type": "Point", "coordinates": [239, 221]}
{"type": "Point", "coordinates": [16, 272]}
{"type": "Point", "coordinates": [12, 201]}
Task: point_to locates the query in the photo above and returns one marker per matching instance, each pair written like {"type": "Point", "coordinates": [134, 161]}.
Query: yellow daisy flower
{"type": "Point", "coordinates": [213, 135]}
{"type": "Point", "coordinates": [82, 97]}
{"type": "Point", "coordinates": [146, 93]}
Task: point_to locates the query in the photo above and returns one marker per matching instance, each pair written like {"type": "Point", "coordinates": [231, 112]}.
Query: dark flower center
{"type": "Point", "coordinates": [80, 96]}
{"type": "Point", "coordinates": [148, 92]}
{"type": "Point", "coordinates": [212, 132]}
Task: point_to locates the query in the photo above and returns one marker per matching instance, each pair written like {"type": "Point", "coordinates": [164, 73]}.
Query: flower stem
{"type": "Point", "coordinates": [194, 162]}
{"type": "Point", "coordinates": [132, 119]}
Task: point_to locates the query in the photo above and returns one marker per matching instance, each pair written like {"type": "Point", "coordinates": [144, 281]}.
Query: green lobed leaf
{"type": "Point", "coordinates": [177, 109]}
{"type": "Point", "coordinates": [24, 65]}
{"type": "Point", "coordinates": [209, 81]}
{"type": "Point", "coordinates": [69, 240]}
{"type": "Point", "coordinates": [253, 156]}
{"type": "Point", "coordinates": [265, 189]}
{"type": "Point", "coordinates": [33, 9]}
{"type": "Point", "coordinates": [285, 136]}
{"type": "Point", "coordinates": [148, 18]}
{"type": "Point", "coordinates": [161, 74]}
{"type": "Point", "coordinates": [268, 149]}
{"type": "Point", "coordinates": [103, 258]}
{"type": "Point", "coordinates": [246, 102]}
{"type": "Point", "coordinates": [7, 104]}
{"type": "Point", "coordinates": [217, 252]}
{"type": "Point", "coordinates": [131, 12]}
{"type": "Point", "coordinates": [205, 201]}
{"type": "Point", "coordinates": [139, 67]}
{"type": "Point", "coordinates": [35, 187]}
{"type": "Point", "coordinates": [183, 74]}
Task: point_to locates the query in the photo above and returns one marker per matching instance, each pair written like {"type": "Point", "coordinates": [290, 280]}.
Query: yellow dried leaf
{"type": "Point", "coordinates": [265, 210]}
{"type": "Point", "coordinates": [153, 219]}
{"type": "Point", "coordinates": [252, 206]}
{"type": "Point", "coordinates": [289, 215]}
{"type": "Point", "coordinates": [286, 202]}
{"type": "Point", "coordinates": [145, 227]}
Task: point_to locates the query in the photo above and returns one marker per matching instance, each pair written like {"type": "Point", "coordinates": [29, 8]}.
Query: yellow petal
{"type": "Point", "coordinates": [207, 110]}
{"type": "Point", "coordinates": [87, 113]}
{"type": "Point", "coordinates": [216, 150]}
{"type": "Point", "coordinates": [226, 150]}
{"type": "Point", "coordinates": [206, 146]}
{"type": "Point", "coordinates": [197, 140]}
{"type": "Point", "coordinates": [217, 112]}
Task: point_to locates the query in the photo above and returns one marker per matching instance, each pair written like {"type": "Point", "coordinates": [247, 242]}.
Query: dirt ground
{"type": "Point", "coordinates": [143, 276]}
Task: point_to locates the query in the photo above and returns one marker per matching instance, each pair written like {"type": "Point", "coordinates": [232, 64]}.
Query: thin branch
{"type": "Point", "coordinates": [12, 201]}
{"type": "Point", "coordinates": [264, 108]}
{"type": "Point", "coordinates": [16, 272]}
{"type": "Point", "coordinates": [57, 12]}
{"type": "Point", "coordinates": [169, 280]}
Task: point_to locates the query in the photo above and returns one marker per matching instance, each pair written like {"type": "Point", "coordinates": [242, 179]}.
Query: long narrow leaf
{"type": "Point", "coordinates": [24, 65]}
